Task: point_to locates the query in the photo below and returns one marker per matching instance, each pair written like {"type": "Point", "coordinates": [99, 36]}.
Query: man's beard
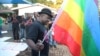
{"type": "Point", "coordinates": [45, 22]}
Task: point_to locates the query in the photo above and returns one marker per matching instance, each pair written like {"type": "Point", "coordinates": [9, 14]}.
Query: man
{"type": "Point", "coordinates": [37, 32]}
{"type": "Point", "coordinates": [15, 27]}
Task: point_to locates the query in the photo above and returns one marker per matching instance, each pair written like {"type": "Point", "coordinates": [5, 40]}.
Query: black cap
{"type": "Point", "coordinates": [46, 11]}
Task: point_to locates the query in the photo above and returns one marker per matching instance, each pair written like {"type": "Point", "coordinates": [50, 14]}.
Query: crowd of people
{"type": "Point", "coordinates": [34, 30]}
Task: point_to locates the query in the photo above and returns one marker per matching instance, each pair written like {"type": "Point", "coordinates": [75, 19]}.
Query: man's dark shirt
{"type": "Point", "coordinates": [22, 25]}
{"type": "Point", "coordinates": [27, 27]}
{"type": "Point", "coordinates": [15, 22]}
{"type": "Point", "coordinates": [35, 33]}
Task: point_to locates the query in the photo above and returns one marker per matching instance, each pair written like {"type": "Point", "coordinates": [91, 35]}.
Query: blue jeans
{"type": "Point", "coordinates": [22, 33]}
{"type": "Point", "coordinates": [52, 42]}
{"type": "Point", "coordinates": [9, 26]}
{"type": "Point", "coordinates": [0, 31]}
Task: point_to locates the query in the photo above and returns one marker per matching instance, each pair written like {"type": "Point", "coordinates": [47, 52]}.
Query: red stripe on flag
{"type": "Point", "coordinates": [63, 37]}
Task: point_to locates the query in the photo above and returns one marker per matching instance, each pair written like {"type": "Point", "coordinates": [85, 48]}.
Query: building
{"type": "Point", "coordinates": [22, 9]}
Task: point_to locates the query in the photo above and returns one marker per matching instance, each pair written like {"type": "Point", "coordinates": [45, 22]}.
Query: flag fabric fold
{"type": "Point", "coordinates": [77, 26]}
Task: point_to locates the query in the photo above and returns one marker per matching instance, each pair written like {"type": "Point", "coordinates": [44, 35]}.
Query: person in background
{"type": "Point", "coordinates": [1, 22]}
{"type": "Point", "coordinates": [22, 28]}
{"type": "Point", "coordinates": [28, 21]}
{"type": "Point", "coordinates": [9, 23]}
{"type": "Point", "coordinates": [52, 42]}
{"type": "Point", "coordinates": [35, 15]}
{"type": "Point", "coordinates": [15, 27]}
{"type": "Point", "coordinates": [37, 32]}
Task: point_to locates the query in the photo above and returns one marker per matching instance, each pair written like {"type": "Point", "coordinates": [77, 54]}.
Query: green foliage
{"type": "Point", "coordinates": [15, 5]}
{"type": "Point", "coordinates": [58, 3]}
{"type": "Point", "coordinates": [49, 3]}
{"type": "Point", "coordinates": [33, 1]}
{"type": "Point", "coordinates": [3, 7]}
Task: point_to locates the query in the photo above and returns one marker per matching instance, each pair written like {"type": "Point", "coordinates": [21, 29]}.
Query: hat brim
{"type": "Point", "coordinates": [46, 13]}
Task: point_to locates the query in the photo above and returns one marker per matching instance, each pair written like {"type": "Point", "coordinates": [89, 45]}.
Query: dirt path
{"type": "Point", "coordinates": [61, 50]}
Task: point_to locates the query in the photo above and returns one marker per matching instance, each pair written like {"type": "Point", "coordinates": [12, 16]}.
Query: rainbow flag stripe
{"type": "Point", "coordinates": [77, 26]}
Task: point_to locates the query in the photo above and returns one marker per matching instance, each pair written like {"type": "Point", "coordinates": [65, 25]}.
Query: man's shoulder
{"type": "Point", "coordinates": [35, 23]}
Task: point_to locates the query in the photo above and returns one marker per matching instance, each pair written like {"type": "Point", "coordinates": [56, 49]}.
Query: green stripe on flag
{"type": "Point", "coordinates": [81, 3]}
{"type": "Point", "coordinates": [88, 43]}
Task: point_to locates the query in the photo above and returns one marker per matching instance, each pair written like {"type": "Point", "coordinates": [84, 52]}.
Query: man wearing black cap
{"type": "Point", "coordinates": [37, 32]}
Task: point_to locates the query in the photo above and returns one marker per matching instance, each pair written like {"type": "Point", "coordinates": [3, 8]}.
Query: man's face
{"type": "Point", "coordinates": [44, 18]}
{"type": "Point", "coordinates": [14, 15]}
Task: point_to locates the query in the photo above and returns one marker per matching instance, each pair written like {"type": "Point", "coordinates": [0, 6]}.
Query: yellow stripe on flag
{"type": "Point", "coordinates": [82, 52]}
{"type": "Point", "coordinates": [75, 12]}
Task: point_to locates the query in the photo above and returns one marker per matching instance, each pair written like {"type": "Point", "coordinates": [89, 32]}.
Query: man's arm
{"type": "Point", "coordinates": [38, 46]}
{"type": "Point", "coordinates": [31, 44]}
{"type": "Point", "coordinates": [31, 38]}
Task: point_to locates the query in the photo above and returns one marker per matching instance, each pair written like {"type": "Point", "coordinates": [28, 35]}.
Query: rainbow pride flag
{"type": "Point", "coordinates": [77, 26]}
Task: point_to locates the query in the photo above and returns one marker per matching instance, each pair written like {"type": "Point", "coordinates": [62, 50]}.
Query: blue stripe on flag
{"type": "Point", "coordinates": [92, 19]}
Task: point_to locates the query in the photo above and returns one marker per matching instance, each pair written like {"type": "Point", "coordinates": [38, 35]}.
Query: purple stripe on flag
{"type": "Point", "coordinates": [96, 1]}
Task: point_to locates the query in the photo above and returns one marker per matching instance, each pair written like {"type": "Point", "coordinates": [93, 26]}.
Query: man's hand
{"type": "Point", "coordinates": [37, 47]}
{"type": "Point", "coordinates": [40, 45]}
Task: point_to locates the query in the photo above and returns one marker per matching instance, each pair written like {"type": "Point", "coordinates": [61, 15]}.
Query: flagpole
{"type": "Point", "coordinates": [39, 53]}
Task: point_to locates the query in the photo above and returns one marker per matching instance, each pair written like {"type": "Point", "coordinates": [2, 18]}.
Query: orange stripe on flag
{"type": "Point", "coordinates": [69, 25]}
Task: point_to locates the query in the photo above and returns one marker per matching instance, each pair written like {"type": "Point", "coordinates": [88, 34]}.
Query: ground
{"type": "Point", "coordinates": [61, 50]}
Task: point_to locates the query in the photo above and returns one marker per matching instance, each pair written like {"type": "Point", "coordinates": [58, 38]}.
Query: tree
{"type": "Point", "coordinates": [48, 3]}
{"type": "Point", "coordinates": [3, 7]}
{"type": "Point", "coordinates": [15, 5]}
{"type": "Point", "coordinates": [58, 4]}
